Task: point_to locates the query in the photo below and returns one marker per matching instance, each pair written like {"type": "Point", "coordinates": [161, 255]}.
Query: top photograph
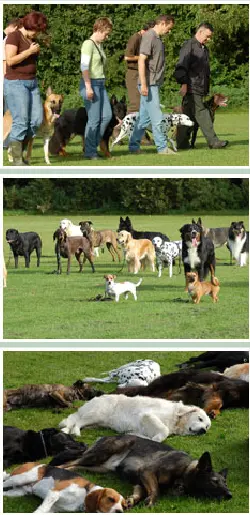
{"type": "Point", "coordinates": [125, 85]}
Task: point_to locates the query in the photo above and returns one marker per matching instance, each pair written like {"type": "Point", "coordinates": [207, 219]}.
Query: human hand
{"type": "Point", "coordinates": [144, 91]}
{"type": "Point", "coordinates": [34, 48]}
{"type": "Point", "coordinates": [183, 90]}
{"type": "Point", "coordinates": [89, 93]}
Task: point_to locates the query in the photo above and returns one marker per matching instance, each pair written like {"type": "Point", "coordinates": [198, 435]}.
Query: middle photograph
{"type": "Point", "coordinates": [126, 258]}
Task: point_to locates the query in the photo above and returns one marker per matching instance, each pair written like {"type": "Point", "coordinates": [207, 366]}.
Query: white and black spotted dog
{"type": "Point", "coordinates": [136, 373]}
{"type": "Point", "coordinates": [166, 252]}
{"type": "Point", "coordinates": [169, 120]}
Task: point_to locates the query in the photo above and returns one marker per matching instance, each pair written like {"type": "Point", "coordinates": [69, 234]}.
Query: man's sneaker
{"type": "Point", "coordinates": [166, 151]}
{"type": "Point", "coordinates": [219, 144]}
{"type": "Point", "coordinates": [135, 151]}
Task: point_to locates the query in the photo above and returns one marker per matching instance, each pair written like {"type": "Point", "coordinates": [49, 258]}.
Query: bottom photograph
{"type": "Point", "coordinates": [135, 431]}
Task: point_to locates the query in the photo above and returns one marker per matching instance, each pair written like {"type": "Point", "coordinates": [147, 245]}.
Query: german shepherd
{"type": "Point", "coordinates": [151, 466]}
{"type": "Point", "coordinates": [208, 390]}
{"type": "Point", "coordinates": [51, 111]}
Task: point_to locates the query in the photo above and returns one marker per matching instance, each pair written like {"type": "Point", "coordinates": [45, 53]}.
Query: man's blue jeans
{"type": "Point", "coordinates": [99, 115]}
{"type": "Point", "coordinates": [150, 113]}
{"type": "Point", "coordinates": [24, 102]}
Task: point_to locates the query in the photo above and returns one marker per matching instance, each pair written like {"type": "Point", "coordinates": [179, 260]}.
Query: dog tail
{"type": "Point", "coordinates": [139, 282]}
{"type": "Point", "coordinates": [215, 281]}
{"type": "Point", "coordinates": [97, 380]}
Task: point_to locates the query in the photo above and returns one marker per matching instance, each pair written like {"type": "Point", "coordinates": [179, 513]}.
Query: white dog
{"type": "Point", "coordinates": [74, 230]}
{"type": "Point", "coordinates": [136, 373]}
{"type": "Point", "coordinates": [113, 289]}
{"type": "Point", "coordinates": [148, 417]}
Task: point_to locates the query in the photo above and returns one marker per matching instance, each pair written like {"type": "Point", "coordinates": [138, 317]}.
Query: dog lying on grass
{"type": "Point", "coordinates": [139, 372]}
{"type": "Point", "coordinates": [20, 445]}
{"type": "Point", "coordinates": [61, 490]}
{"type": "Point", "coordinates": [46, 395]}
{"type": "Point", "coordinates": [153, 467]}
{"type": "Point", "coordinates": [196, 289]}
{"type": "Point", "coordinates": [152, 418]}
{"type": "Point", "coordinates": [218, 360]}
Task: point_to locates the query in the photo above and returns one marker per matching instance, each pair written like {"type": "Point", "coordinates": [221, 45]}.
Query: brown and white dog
{"type": "Point", "coordinates": [61, 490]}
{"type": "Point", "coordinates": [138, 253]}
{"type": "Point", "coordinates": [51, 111]}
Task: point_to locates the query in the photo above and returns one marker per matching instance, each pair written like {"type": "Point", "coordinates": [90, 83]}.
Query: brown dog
{"type": "Point", "coordinates": [46, 395]}
{"type": "Point", "coordinates": [196, 289]}
{"type": "Point", "coordinates": [51, 111]}
{"type": "Point", "coordinates": [138, 253]}
{"type": "Point", "coordinates": [100, 238]}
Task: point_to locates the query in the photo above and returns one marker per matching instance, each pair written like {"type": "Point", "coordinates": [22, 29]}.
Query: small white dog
{"type": "Point", "coordinates": [113, 289]}
{"type": "Point", "coordinates": [148, 417]}
{"type": "Point", "coordinates": [136, 373]}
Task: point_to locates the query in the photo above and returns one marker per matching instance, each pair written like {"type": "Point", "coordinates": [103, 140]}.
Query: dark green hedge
{"type": "Point", "coordinates": [70, 24]}
{"type": "Point", "coordinates": [149, 196]}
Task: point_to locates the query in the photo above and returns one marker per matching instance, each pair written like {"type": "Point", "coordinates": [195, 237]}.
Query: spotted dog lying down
{"type": "Point", "coordinates": [169, 120]}
{"type": "Point", "coordinates": [135, 373]}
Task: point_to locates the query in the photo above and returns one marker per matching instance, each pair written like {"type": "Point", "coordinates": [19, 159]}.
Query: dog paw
{"type": "Point", "coordinates": [130, 502]}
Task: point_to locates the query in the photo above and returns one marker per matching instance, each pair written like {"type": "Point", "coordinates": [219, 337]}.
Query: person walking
{"type": "Point", "coordinates": [21, 90]}
{"type": "Point", "coordinates": [92, 86]}
{"type": "Point", "coordinates": [193, 73]}
{"type": "Point", "coordinates": [151, 67]}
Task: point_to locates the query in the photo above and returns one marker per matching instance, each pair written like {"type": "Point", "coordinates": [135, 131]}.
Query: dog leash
{"type": "Point", "coordinates": [119, 271]}
{"type": "Point", "coordinates": [43, 442]}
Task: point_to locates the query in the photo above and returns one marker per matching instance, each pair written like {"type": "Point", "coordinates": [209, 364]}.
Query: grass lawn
{"type": "Point", "coordinates": [41, 305]}
{"type": "Point", "coordinates": [227, 440]}
{"type": "Point", "coordinates": [229, 125]}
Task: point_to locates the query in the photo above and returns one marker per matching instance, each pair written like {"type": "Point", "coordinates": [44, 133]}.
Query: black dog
{"type": "Point", "coordinates": [23, 244]}
{"type": "Point", "coordinates": [197, 250]}
{"type": "Point", "coordinates": [151, 466]}
{"type": "Point", "coordinates": [219, 360]}
{"type": "Point", "coordinates": [20, 446]}
{"type": "Point", "coordinates": [126, 225]}
{"type": "Point", "coordinates": [73, 122]}
{"type": "Point", "coordinates": [238, 242]}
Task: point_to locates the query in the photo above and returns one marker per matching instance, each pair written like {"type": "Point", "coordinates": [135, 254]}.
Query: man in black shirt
{"type": "Point", "coordinates": [193, 73]}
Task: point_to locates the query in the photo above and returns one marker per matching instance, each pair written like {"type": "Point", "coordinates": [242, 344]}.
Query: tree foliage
{"type": "Point", "coordinates": [145, 196]}
{"type": "Point", "coordinates": [70, 24]}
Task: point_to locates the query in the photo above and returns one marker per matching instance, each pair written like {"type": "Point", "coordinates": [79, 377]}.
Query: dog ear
{"type": "Point", "coordinates": [199, 221]}
{"type": "Point", "coordinates": [193, 221]}
{"type": "Point", "coordinates": [49, 91]}
{"type": "Point", "coordinates": [123, 99]}
{"type": "Point", "coordinates": [55, 235]}
{"type": "Point", "coordinates": [113, 100]}
{"type": "Point", "coordinates": [224, 473]}
{"type": "Point", "coordinates": [205, 463]}
{"type": "Point", "coordinates": [114, 276]}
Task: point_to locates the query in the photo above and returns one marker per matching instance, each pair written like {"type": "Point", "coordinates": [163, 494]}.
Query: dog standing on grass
{"type": "Point", "coordinates": [51, 111]}
{"type": "Point", "coordinates": [113, 289]}
{"type": "Point", "coordinates": [197, 289]}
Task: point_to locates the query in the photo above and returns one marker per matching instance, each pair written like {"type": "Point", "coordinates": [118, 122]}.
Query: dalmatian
{"type": "Point", "coordinates": [166, 252]}
{"type": "Point", "coordinates": [168, 121]}
{"type": "Point", "coordinates": [135, 373]}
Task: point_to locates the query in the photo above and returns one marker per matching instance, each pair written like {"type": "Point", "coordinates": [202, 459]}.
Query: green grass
{"type": "Point", "coordinates": [39, 304]}
{"type": "Point", "coordinates": [227, 440]}
{"type": "Point", "coordinates": [229, 125]}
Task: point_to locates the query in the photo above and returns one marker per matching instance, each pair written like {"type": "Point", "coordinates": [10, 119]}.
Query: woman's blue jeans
{"type": "Point", "coordinates": [99, 115]}
{"type": "Point", "coordinates": [24, 102]}
{"type": "Point", "coordinates": [150, 113]}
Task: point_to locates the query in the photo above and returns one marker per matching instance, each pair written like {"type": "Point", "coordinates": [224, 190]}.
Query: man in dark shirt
{"type": "Point", "coordinates": [193, 73]}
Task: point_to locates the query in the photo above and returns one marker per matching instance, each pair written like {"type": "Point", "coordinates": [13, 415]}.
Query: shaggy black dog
{"type": "Point", "coordinates": [151, 467]}
{"type": "Point", "coordinates": [126, 225]}
{"type": "Point", "coordinates": [20, 446]}
{"type": "Point", "coordinates": [23, 244]}
{"type": "Point", "coordinates": [197, 251]}
{"type": "Point", "coordinates": [72, 122]}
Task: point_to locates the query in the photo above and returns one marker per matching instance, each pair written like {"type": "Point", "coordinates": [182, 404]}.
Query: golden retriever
{"type": "Point", "coordinates": [138, 253]}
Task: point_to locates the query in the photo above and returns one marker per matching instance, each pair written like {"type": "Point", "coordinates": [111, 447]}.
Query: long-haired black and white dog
{"type": "Point", "coordinates": [238, 242]}
{"type": "Point", "coordinates": [197, 250]}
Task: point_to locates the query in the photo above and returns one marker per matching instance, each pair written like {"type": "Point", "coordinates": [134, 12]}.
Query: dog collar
{"type": "Point", "coordinates": [43, 442]}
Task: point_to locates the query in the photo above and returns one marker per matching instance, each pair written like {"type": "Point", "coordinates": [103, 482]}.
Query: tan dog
{"type": "Point", "coordinates": [196, 289]}
{"type": "Point", "coordinates": [51, 110]}
{"type": "Point", "coordinates": [99, 238]}
{"type": "Point", "coordinates": [138, 253]}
